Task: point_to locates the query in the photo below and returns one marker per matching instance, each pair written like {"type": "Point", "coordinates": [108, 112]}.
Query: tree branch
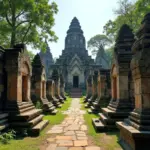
{"type": "Point", "coordinates": [22, 23]}
{"type": "Point", "coordinates": [26, 32]}
{"type": "Point", "coordinates": [7, 19]}
{"type": "Point", "coordinates": [21, 13]}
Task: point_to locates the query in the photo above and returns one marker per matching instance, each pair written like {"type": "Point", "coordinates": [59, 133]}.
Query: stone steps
{"type": "Point", "coordinates": [40, 126]}
{"type": "Point", "coordinates": [3, 115]}
{"type": "Point", "coordinates": [3, 121]}
{"type": "Point", "coordinates": [54, 112]}
{"type": "Point", "coordinates": [26, 116]}
{"type": "Point", "coordinates": [31, 123]}
{"type": "Point", "coordinates": [27, 109]}
{"type": "Point", "coordinates": [4, 126]}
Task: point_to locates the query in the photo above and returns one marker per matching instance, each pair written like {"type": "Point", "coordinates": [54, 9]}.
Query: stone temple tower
{"type": "Point", "coordinates": [75, 61]}
{"type": "Point", "coordinates": [47, 59]}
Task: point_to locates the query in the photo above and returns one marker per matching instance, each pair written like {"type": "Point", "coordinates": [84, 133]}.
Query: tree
{"type": "Point", "coordinates": [27, 21]}
{"type": "Point", "coordinates": [95, 43]}
{"type": "Point", "coordinates": [31, 55]}
{"type": "Point", "coordinates": [127, 13]}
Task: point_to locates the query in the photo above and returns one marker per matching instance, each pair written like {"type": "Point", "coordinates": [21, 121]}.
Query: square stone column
{"type": "Point", "coordinates": [135, 131]}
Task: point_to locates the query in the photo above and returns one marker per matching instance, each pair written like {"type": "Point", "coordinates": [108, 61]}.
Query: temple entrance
{"type": "Point", "coordinates": [24, 88]}
{"type": "Point", "coordinates": [75, 81]}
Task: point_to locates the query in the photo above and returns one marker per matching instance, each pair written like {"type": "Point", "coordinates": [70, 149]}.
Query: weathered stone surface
{"type": "Point", "coordinates": [71, 140]}
{"type": "Point", "coordinates": [82, 138]}
{"type": "Point", "coordinates": [64, 142]}
{"type": "Point", "coordinates": [54, 131]}
{"type": "Point", "coordinates": [76, 148]}
{"type": "Point", "coordinates": [69, 133]}
{"type": "Point", "coordinates": [64, 137]}
{"type": "Point", "coordinates": [61, 148]}
{"type": "Point", "coordinates": [51, 147]}
{"type": "Point", "coordinates": [51, 140]}
{"type": "Point", "coordinates": [92, 148]}
{"type": "Point", "coordinates": [84, 128]}
{"type": "Point", "coordinates": [80, 143]}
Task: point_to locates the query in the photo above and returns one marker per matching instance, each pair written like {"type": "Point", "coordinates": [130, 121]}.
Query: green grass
{"type": "Point", "coordinates": [33, 143]}
{"type": "Point", "coordinates": [59, 117]}
{"type": "Point", "coordinates": [107, 141]}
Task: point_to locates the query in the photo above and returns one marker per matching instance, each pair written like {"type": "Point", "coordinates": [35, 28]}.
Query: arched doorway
{"type": "Point", "coordinates": [25, 76]}
{"type": "Point", "coordinates": [75, 81]}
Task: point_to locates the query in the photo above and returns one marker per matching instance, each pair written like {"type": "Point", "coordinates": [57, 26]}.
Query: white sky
{"type": "Point", "coordinates": [92, 15]}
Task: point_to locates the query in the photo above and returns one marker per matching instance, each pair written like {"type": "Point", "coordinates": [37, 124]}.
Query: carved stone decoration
{"type": "Point", "coordinates": [120, 105]}
{"type": "Point", "coordinates": [135, 131]}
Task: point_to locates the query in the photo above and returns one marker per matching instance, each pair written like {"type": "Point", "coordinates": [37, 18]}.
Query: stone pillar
{"type": "Point", "coordinates": [135, 131]}
{"type": "Point", "coordinates": [62, 87]}
{"type": "Point", "coordinates": [88, 88]}
{"type": "Point", "coordinates": [39, 85]}
{"type": "Point", "coordinates": [18, 75]}
{"type": "Point", "coordinates": [104, 79]}
{"type": "Point", "coordinates": [2, 79]}
{"type": "Point", "coordinates": [120, 105]}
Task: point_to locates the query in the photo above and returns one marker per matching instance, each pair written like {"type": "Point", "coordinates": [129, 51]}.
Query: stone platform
{"type": "Point", "coordinates": [108, 119]}
{"type": "Point", "coordinates": [133, 139]}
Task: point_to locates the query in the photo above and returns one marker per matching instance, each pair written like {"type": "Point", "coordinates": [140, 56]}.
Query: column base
{"type": "Point", "coordinates": [133, 139]}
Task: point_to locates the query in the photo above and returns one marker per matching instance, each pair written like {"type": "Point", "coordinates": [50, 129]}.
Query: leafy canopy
{"type": "Point", "coordinates": [127, 13]}
{"type": "Point", "coordinates": [27, 21]}
{"type": "Point", "coordinates": [98, 41]}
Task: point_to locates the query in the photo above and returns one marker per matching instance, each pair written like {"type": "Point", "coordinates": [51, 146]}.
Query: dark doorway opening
{"type": "Point", "coordinates": [24, 88]}
{"type": "Point", "coordinates": [75, 81]}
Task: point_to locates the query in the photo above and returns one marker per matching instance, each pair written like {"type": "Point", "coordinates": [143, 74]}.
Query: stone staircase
{"type": "Point", "coordinates": [24, 115]}
{"type": "Point", "coordinates": [76, 93]}
{"type": "Point", "coordinates": [3, 121]}
{"type": "Point", "coordinates": [49, 107]}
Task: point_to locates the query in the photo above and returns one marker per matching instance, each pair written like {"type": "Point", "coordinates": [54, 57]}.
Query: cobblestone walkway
{"type": "Point", "coordinates": [71, 134]}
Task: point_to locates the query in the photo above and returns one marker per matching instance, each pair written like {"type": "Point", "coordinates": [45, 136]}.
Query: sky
{"type": "Point", "coordinates": [92, 15]}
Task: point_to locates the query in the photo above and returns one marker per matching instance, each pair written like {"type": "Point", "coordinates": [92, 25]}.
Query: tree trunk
{"type": "Point", "coordinates": [13, 32]}
{"type": "Point", "coordinates": [13, 37]}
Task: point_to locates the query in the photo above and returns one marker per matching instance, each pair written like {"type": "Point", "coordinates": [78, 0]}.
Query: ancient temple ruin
{"type": "Point", "coordinates": [22, 113]}
{"type": "Point", "coordinates": [135, 131]}
{"type": "Point", "coordinates": [47, 59]}
{"type": "Point", "coordinates": [120, 105]}
{"type": "Point", "coordinates": [103, 90]}
{"type": "Point", "coordinates": [39, 86]}
{"type": "Point", "coordinates": [75, 61]}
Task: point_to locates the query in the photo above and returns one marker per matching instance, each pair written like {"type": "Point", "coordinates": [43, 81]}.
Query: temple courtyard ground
{"type": "Point", "coordinates": [70, 129]}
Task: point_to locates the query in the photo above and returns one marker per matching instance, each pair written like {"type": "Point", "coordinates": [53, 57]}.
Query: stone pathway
{"type": "Point", "coordinates": [71, 134]}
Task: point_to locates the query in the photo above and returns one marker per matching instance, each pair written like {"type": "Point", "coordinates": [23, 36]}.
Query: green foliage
{"type": "Point", "coordinates": [59, 117]}
{"type": "Point", "coordinates": [109, 53]}
{"type": "Point", "coordinates": [38, 105]}
{"type": "Point", "coordinates": [98, 41]}
{"type": "Point", "coordinates": [27, 21]}
{"type": "Point", "coordinates": [6, 137]}
{"type": "Point", "coordinates": [31, 55]}
{"type": "Point", "coordinates": [67, 94]}
{"type": "Point", "coordinates": [127, 13]}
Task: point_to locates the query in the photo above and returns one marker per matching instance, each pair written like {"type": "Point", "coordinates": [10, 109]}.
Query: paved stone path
{"type": "Point", "coordinates": [71, 134]}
